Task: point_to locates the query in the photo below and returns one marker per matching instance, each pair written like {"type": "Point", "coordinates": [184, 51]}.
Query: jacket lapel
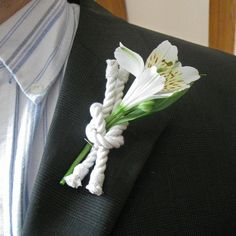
{"type": "Point", "coordinates": [56, 209]}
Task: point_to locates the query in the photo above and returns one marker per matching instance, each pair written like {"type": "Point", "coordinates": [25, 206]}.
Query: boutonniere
{"type": "Point", "coordinates": [158, 83]}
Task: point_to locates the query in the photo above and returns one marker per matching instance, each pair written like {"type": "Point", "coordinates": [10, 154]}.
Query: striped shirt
{"type": "Point", "coordinates": [34, 48]}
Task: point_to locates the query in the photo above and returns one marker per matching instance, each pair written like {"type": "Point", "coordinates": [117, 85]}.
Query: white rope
{"type": "Point", "coordinates": [96, 132]}
{"type": "Point", "coordinates": [123, 77]}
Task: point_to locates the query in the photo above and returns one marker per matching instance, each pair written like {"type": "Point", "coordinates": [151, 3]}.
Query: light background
{"type": "Point", "coordinates": [185, 19]}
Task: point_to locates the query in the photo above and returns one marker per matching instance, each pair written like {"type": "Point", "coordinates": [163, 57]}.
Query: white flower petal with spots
{"type": "Point", "coordinates": [164, 56]}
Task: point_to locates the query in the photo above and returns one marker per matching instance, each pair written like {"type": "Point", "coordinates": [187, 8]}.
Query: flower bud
{"type": "Point", "coordinates": [146, 106]}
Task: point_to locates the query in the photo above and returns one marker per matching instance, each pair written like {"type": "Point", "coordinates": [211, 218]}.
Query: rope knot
{"type": "Point", "coordinates": [96, 130]}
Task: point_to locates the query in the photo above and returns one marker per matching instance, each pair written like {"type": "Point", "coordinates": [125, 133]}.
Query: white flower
{"type": "Point", "coordinates": [178, 77]}
{"type": "Point", "coordinates": [161, 76]}
{"type": "Point", "coordinates": [148, 81]}
{"type": "Point", "coordinates": [163, 57]}
{"type": "Point", "coordinates": [129, 60]}
{"type": "Point", "coordinates": [144, 87]}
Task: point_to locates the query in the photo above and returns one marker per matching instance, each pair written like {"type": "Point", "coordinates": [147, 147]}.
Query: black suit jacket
{"type": "Point", "coordinates": [176, 173]}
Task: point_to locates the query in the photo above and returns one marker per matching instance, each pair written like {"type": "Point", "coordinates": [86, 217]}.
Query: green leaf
{"type": "Point", "coordinates": [149, 107]}
{"type": "Point", "coordinates": [162, 103]}
{"type": "Point", "coordinates": [137, 113]}
{"type": "Point", "coordinates": [145, 108]}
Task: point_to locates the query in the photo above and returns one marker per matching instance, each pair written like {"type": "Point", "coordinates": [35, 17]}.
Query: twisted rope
{"type": "Point", "coordinates": [96, 132]}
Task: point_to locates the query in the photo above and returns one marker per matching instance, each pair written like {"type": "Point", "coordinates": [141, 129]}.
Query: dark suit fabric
{"type": "Point", "coordinates": [176, 173]}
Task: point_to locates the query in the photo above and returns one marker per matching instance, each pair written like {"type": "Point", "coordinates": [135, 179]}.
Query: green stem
{"type": "Point", "coordinates": [112, 122]}
{"type": "Point", "coordinates": [81, 156]}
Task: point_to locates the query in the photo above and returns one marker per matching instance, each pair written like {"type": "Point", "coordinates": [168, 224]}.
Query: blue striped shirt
{"type": "Point", "coordinates": [34, 47]}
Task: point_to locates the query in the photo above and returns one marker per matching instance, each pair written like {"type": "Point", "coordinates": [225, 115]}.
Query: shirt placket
{"type": "Point", "coordinates": [9, 112]}
{"type": "Point", "coordinates": [27, 125]}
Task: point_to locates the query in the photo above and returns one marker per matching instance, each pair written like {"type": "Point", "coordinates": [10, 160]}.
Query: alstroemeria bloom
{"type": "Point", "coordinates": [178, 77]}
{"type": "Point", "coordinates": [144, 88]}
{"type": "Point", "coordinates": [148, 81]}
{"type": "Point", "coordinates": [170, 76]}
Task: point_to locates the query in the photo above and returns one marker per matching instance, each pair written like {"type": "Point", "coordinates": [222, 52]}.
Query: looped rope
{"type": "Point", "coordinates": [96, 132]}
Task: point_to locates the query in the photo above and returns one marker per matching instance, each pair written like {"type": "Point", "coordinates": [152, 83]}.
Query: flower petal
{"type": "Point", "coordinates": [165, 52]}
{"type": "Point", "coordinates": [139, 82]}
{"type": "Point", "coordinates": [144, 87]}
{"type": "Point", "coordinates": [129, 60]}
{"type": "Point", "coordinates": [169, 51]}
{"type": "Point", "coordinates": [165, 94]}
{"type": "Point", "coordinates": [189, 74]}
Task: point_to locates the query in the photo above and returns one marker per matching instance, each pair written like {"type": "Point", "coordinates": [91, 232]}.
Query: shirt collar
{"type": "Point", "coordinates": [35, 43]}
